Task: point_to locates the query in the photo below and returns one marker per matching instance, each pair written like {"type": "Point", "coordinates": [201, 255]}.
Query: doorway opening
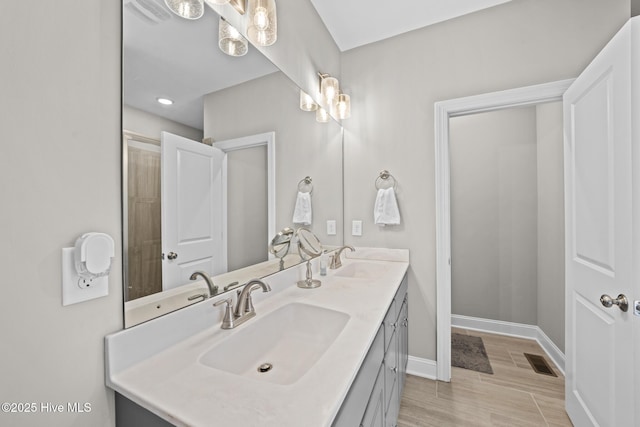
{"type": "Point", "coordinates": [444, 111]}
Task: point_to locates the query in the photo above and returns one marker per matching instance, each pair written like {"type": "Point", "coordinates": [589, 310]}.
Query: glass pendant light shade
{"type": "Point", "coordinates": [329, 88]}
{"type": "Point", "coordinates": [306, 102]}
{"type": "Point", "coordinates": [262, 27]}
{"type": "Point", "coordinates": [188, 9]}
{"type": "Point", "coordinates": [321, 115]}
{"type": "Point", "coordinates": [344, 106]}
{"type": "Point", "coordinates": [230, 40]}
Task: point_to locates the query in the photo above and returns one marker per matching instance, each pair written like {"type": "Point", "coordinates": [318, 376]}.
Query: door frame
{"type": "Point", "coordinates": [444, 110]}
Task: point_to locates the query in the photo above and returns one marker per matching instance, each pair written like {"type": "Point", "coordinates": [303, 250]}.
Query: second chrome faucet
{"type": "Point", "coordinates": [244, 308]}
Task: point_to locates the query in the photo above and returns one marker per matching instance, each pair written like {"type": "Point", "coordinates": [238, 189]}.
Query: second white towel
{"type": "Point", "coordinates": [385, 211]}
{"type": "Point", "coordinates": [302, 212]}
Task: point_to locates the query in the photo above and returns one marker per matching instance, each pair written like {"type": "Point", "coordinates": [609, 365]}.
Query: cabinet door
{"type": "Point", "coordinates": [391, 371]}
{"type": "Point", "coordinates": [394, 407]}
{"type": "Point", "coordinates": [374, 415]}
{"type": "Point", "coordinates": [403, 344]}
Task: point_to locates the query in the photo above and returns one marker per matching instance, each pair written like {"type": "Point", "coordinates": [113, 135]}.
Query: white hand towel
{"type": "Point", "coordinates": [302, 210]}
{"type": "Point", "coordinates": [385, 211]}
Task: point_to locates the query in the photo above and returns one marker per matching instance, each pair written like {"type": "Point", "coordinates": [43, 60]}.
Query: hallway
{"type": "Point", "coordinates": [513, 396]}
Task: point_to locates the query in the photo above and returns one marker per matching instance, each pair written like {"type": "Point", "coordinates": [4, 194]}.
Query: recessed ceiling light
{"type": "Point", "coordinates": [164, 101]}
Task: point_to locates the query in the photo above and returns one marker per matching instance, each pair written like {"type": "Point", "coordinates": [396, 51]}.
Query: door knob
{"type": "Point", "coordinates": [172, 255]}
{"type": "Point", "coordinates": [622, 302]}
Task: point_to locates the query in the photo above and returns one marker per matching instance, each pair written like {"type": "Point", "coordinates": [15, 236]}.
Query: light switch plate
{"type": "Point", "coordinates": [331, 227]}
{"type": "Point", "coordinates": [76, 289]}
{"type": "Point", "coordinates": [356, 228]}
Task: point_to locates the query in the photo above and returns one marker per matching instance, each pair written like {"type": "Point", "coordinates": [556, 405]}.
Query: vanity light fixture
{"type": "Point", "coordinates": [343, 106]}
{"type": "Point", "coordinates": [262, 25]}
{"type": "Point", "coordinates": [164, 101]}
{"type": "Point", "coordinates": [188, 9]}
{"type": "Point", "coordinates": [230, 40]}
{"type": "Point", "coordinates": [321, 115]}
{"type": "Point", "coordinates": [306, 102]}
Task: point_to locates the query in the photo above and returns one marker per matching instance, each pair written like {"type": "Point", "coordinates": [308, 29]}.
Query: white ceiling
{"type": "Point", "coordinates": [354, 23]}
{"type": "Point", "coordinates": [167, 56]}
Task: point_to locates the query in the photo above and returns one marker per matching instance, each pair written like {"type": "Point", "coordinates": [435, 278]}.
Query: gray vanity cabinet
{"type": "Point", "coordinates": [374, 397]}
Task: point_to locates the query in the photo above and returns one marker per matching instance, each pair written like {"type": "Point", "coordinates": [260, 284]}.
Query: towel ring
{"type": "Point", "coordinates": [305, 182]}
{"type": "Point", "coordinates": [383, 177]}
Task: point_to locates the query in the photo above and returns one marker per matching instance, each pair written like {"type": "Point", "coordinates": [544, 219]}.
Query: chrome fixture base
{"type": "Point", "coordinates": [309, 284]}
{"type": "Point", "coordinates": [239, 5]}
{"type": "Point", "coordinates": [336, 262]}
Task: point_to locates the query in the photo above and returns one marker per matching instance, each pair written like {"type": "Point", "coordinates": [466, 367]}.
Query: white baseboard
{"type": "Point", "coordinates": [424, 368]}
{"type": "Point", "coordinates": [519, 330]}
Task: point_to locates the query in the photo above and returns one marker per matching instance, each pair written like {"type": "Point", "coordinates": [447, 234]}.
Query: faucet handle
{"type": "Point", "coordinates": [227, 320]}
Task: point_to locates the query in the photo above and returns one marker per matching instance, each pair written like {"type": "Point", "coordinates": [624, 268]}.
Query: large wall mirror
{"type": "Point", "coordinates": [234, 122]}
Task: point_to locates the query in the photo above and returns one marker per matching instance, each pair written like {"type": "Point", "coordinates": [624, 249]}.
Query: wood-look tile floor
{"type": "Point", "coordinates": [513, 396]}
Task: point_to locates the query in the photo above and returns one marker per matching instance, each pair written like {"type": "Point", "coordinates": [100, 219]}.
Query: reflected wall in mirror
{"type": "Point", "coordinates": [217, 98]}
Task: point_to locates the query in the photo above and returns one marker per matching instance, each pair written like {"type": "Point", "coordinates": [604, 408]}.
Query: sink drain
{"type": "Point", "coordinates": [265, 367]}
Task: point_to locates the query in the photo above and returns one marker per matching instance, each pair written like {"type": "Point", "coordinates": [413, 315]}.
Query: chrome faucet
{"type": "Point", "coordinates": [213, 289]}
{"type": "Point", "coordinates": [244, 309]}
{"type": "Point", "coordinates": [245, 304]}
{"type": "Point", "coordinates": [336, 262]}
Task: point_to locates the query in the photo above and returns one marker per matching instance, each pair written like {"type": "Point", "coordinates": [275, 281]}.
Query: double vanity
{"type": "Point", "coordinates": [330, 356]}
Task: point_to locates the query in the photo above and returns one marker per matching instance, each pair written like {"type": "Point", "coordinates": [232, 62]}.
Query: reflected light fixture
{"type": "Point", "coordinates": [321, 115]}
{"type": "Point", "coordinates": [262, 25]}
{"type": "Point", "coordinates": [343, 106]}
{"type": "Point", "coordinates": [306, 102]}
{"type": "Point", "coordinates": [230, 40]}
{"type": "Point", "coordinates": [164, 101]}
{"type": "Point", "coordinates": [188, 9]}
{"type": "Point", "coordinates": [239, 5]}
{"type": "Point", "coordinates": [329, 90]}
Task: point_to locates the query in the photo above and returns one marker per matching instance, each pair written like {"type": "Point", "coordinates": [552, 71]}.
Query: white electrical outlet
{"type": "Point", "coordinates": [75, 288]}
{"type": "Point", "coordinates": [356, 228]}
{"type": "Point", "coordinates": [331, 227]}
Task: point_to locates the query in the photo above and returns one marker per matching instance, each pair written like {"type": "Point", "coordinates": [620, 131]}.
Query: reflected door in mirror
{"type": "Point", "coordinates": [143, 216]}
{"type": "Point", "coordinates": [192, 210]}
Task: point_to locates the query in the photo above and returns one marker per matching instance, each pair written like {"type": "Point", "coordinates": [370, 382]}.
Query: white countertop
{"type": "Point", "coordinates": [156, 364]}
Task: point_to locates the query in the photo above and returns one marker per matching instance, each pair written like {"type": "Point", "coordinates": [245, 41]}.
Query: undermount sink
{"type": "Point", "coordinates": [361, 270]}
{"type": "Point", "coordinates": [278, 347]}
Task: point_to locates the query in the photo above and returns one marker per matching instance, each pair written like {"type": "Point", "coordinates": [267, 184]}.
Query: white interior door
{"type": "Point", "coordinates": [192, 209]}
{"type": "Point", "coordinates": [599, 258]}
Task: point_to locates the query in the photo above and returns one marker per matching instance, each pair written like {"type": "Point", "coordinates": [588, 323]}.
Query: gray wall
{"type": "Point", "coordinates": [303, 146]}
{"type": "Point", "coordinates": [247, 237]}
{"type": "Point", "coordinates": [551, 222]}
{"type": "Point", "coordinates": [394, 84]}
{"type": "Point", "coordinates": [60, 175]}
{"type": "Point", "coordinates": [494, 204]}
{"type": "Point", "coordinates": [150, 125]}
